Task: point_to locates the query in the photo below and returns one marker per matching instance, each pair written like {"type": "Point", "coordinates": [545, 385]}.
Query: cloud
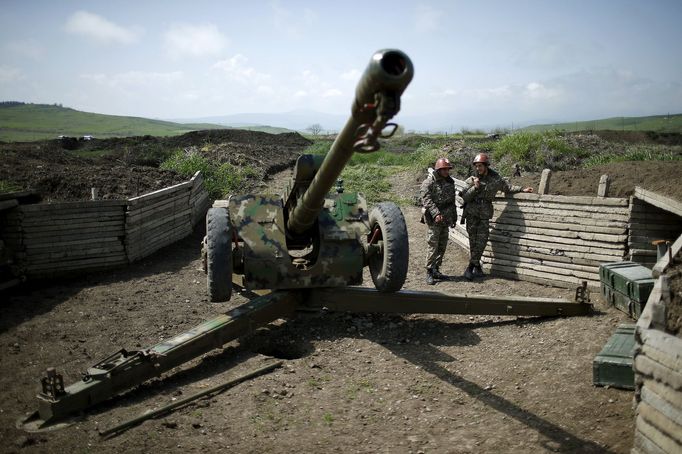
{"type": "Point", "coordinates": [332, 93]}
{"type": "Point", "coordinates": [552, 52]}
{"type": "Point", "coordinates": [353, 75]}
{"type": "Point", "coordinates": [100, 29]}
{"type": "Point", "coordinates": [9, 74]}
{"type": "Point", "coordinates": [599, 92]}
{"type": "Point", "coordinates": [194, 40]}
{"type": "Point", "coordinates": [535, 90]}
{"type": "Point", "coordinates": [291, 23]}
{"type": "Point", "coordinates": [427, 19]}
{"type": "Point", "coordinates": [26, 48]}
{"type": "Point", "coordinates": [135, 79]}
{"type": "Point", "coordinates": [236, 69]}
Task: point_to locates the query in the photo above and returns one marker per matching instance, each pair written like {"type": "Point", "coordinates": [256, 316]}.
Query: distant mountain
{"type": "Point", "coordinates": [301, 120]}
{"type": "Point", "coordinates": [297, 120]}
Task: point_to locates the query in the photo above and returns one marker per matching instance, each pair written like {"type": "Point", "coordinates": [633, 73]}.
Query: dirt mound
{"type": "Point", "coordinates": [658, 176]}
{"type": "Point", "coordinates": [127, 167]}
{"type": "Point", "coordinates": [291, 139]}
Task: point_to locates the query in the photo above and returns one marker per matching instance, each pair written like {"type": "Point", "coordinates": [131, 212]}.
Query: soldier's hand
{"type": "Point", "coordinates": [477, 183]}
{"type": "Point", "coordinates": [527, 189]}
{"type": "Point", "coordinates": [438, 218]}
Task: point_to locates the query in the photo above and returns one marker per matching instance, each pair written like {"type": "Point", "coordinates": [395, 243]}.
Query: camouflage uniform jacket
{"type": "Point", "coordinates": [479, 202]}
{"type": "Point", "coordinates": [438, 196]}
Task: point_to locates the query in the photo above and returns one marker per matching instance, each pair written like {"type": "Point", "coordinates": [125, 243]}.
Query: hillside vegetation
{"type": "Point", "coordinates": [654, 123]}
{"type": "Point", "coordinates": [558, 151]}
{"type": "Point", "coordinates": [21, 122]}
{"type": "Point", "coordinates": [29, 122]}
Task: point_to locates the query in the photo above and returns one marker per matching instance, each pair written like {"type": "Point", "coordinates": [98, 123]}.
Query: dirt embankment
{"type": "Point", "coordinates": [129, 166]}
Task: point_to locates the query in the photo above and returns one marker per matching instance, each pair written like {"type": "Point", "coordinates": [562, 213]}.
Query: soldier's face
{"type": "Point", "coordinates": [444, 172]}
{"type": "Point", "coordinates": [481, 168]}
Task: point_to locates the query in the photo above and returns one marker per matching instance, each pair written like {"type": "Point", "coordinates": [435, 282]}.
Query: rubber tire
{"type": "Point", "coordinates": [219, 254]}
{"type": "Point", "coordinates": [389, 270]}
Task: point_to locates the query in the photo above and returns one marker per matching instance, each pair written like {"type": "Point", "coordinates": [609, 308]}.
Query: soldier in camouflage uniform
{"type": "Point", "coordinates": [478, 195]}
{"type": "Point", "coordinates": [438, 200]}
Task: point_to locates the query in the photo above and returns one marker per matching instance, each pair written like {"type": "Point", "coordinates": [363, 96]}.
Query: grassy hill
{"type": "Point", "coordinates": [28, 122]}
{"type": "Point", "coordinates": [656, 123]}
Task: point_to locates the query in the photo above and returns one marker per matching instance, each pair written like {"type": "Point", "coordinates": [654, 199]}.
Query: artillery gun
{"type": "Point", "coordinates": [311, 237]}
{"type": "Point", "coordinates": [301, 247]}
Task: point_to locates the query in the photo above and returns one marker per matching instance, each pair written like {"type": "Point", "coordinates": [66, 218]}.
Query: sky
{"type": "Point", "coordinates": [477, 63]}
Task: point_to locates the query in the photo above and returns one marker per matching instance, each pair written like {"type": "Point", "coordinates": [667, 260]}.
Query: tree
{"type": "Point", "coordinates": [314, 129]}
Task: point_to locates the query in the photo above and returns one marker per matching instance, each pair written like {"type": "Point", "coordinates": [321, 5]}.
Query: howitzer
{"type": "Point", "coordinates": [307, 238]}
{"type": "Point", "coordinates": [310, 237]}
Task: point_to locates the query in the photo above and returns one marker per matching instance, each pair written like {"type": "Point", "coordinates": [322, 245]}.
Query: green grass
{"type": "Point", "coordinates": [637, 153]}
{"type": "Point", "coordinates": [28, 122]}
{"type": "Point", "coordinates": [328, 418]}
{"type": "Point", "coordinates": [359, 386]}
{"type": "Point", "coordinates": [535, 151]}
{"type": "Point", "coordinates": [8, 186]}
{"type": "Point", "coordinates": [656, 123]}
{"type": "Point", "coordinates": [369, 173]}
{"type": "Point", "coordinates": [221, 179]}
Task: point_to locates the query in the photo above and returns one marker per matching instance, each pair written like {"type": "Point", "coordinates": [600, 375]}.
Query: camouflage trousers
{"type": "Point", "coordinates": [437, 241]}
{"type": "Point", "coordinates": [478, 230]}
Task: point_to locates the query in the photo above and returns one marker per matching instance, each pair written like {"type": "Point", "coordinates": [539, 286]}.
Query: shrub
{"type": "Point", "coordinates": [637, 153]}
{"type": "Point", "coordinates": [535, 151]}
{"type": "Point", "coordinates": [9, 186]}
{"type": "Point", "coordinates": [220, 179]}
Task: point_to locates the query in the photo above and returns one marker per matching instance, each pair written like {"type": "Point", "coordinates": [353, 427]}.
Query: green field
{"type": "Point", "coordinates": [655, 123]}
{"type": "Point", "coordinates": [29, 122]}
{"type": "Point", "coordinates": [21, 122]}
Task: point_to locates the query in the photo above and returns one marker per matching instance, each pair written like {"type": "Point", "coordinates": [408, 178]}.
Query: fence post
{"type": "Point", "coordinates": [604, 184]}
{"type": "Point", "coordinates": [544, 182]}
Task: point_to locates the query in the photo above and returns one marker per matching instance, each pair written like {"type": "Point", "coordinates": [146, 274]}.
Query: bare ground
{"type": "Point", "coordinates": [349, 383]}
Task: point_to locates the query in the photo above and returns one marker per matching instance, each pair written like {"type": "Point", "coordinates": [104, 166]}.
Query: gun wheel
{"type": "Point", "coordinates": [219, 254]}
{"type": "Point", "coordinates": [389, 267]}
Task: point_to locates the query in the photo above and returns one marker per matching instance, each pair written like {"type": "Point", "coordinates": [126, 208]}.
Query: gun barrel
{"type": "Point", "coordinates": [377, 100]}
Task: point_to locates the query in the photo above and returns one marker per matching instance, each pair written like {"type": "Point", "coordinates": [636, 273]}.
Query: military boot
{"type": "Point", "coordinates": [429, 276]}
{"type": "Point", "coordinates": [438, 275]}
{"type": "Point", "coordinates": [468, 273]}
{"type": "Point", "coordinates": [477, 271]}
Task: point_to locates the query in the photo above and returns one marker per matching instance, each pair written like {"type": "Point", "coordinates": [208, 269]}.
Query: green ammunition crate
{"type": "Point", "coordinates": [613, 365]}
{"type": "Point", "coordinates": [631, 279]}
{"type": "Point", "coordinates": [619, 301]}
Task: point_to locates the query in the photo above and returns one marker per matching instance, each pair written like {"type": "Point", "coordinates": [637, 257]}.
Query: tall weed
{"type": "Point", "coordinates": [221, 179]}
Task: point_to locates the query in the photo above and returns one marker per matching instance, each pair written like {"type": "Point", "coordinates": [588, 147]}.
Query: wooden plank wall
{"type": "Point", "coordinates": [552, 239]}
{"type": "Point", "coordinates": [658, 376]}
{"type": "Point", "coordinates": [163, 217]}
{"type": "Point", "coordinates": [654, 217]}
{"type": "Point", "coordinates": [198, 199]}
{"type": "Point", "coordinates": [53, 239]}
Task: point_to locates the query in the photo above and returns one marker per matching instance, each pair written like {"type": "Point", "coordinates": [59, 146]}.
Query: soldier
{"type": "Point", "coordinates": [478, 195]}
{"type": "Point", "coordinates": [438, 199]}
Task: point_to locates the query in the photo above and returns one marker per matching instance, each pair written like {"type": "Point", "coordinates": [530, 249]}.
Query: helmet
{"type": "Point", "coordinates": [443, 163]}
{"type": "Point", "coordinates": [482, 158]}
